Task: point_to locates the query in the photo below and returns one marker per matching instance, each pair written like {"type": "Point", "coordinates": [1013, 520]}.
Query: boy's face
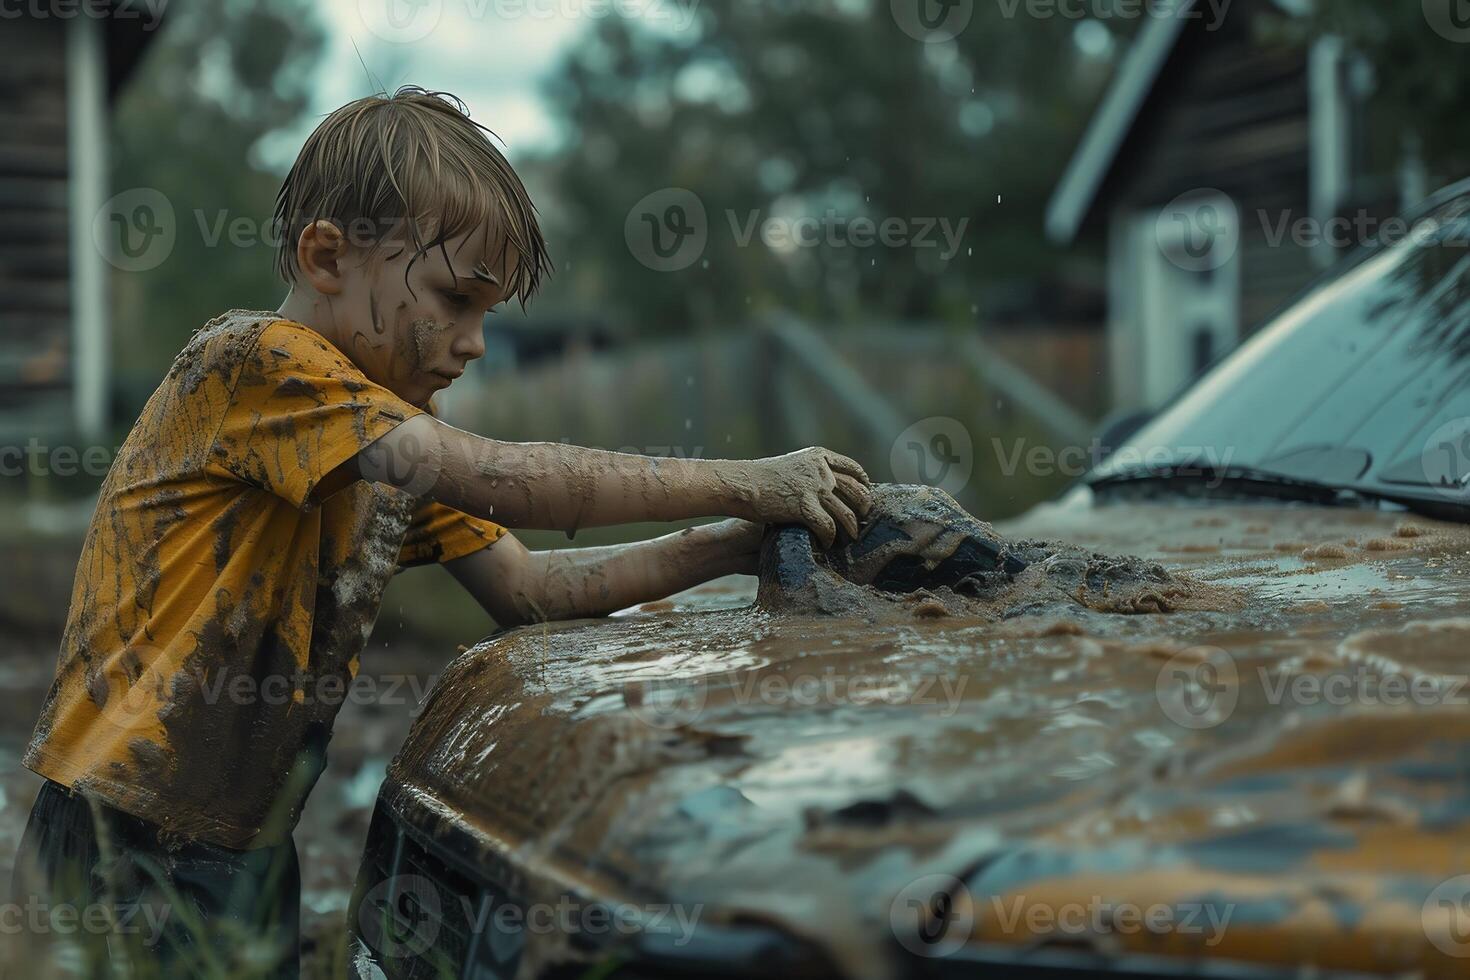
{"type": "Point", "coordinates": [412, 327]}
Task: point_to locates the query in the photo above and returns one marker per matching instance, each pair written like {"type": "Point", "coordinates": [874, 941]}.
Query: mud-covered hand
{"type": "Point", "coordinates": [738, 542]}
{"type": "Point", "coordinates": [815, 487]}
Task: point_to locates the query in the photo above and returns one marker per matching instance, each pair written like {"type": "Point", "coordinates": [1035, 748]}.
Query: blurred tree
{"type": "Point", "coordinates": [1420, 76]}
{"type": "Point", "coordinates": [798, 108]}
{"type": "Point", "coordinates": [222, 75]}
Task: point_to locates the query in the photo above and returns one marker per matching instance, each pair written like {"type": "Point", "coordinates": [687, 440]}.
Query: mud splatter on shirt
{"type": "Point", "coordinates": [225, 591]}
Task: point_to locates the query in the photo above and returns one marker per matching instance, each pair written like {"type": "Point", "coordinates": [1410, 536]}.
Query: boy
{"type": "Point", "coordinates": [287, 464]}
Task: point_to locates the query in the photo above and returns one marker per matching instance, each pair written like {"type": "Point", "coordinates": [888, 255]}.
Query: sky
{"type": "Point", "coordinates": [491, 53]}
{"type": "Point", "coordinates": [494, 62]}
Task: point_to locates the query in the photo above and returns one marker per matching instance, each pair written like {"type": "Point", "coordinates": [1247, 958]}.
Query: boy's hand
{"type": "Point", "coordinates": [815, 487]}
{"type": "Point", "coordinates": [739, 542]}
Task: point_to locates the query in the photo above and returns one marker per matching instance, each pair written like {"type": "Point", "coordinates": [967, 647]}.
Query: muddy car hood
{"type": "Point", "coordinates": [928, 788]}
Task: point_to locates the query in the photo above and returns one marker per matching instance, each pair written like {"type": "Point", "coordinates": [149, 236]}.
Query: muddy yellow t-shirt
{"type": "Point", "coordinates": [221, 602]}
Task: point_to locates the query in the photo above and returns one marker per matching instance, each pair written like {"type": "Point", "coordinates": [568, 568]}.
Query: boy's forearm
{"type": "Point", "coordinates": [553, 486]}
{"type": "Point", "coordinates": [576, 582]}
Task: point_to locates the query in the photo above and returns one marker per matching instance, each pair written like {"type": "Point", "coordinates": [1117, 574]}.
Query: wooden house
{"type": "Point", "coordinates": [59, 75]}
{"type": "Point", "coordinates": [1223, 170]}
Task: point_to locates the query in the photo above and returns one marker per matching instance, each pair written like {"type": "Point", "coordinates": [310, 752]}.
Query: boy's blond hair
{"type": "Point", "coordinates": [409, 170]}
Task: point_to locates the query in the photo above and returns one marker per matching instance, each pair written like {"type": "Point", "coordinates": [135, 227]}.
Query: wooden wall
{"type": "Point", "coordinates": [35, 334]}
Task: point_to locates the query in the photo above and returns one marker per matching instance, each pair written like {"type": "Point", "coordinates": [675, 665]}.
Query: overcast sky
{"type": "Point", "coordinates": [494, 61]}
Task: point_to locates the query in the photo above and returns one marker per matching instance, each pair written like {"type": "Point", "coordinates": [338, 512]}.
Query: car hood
{"type": "Point", "coordinates": [1281, 779]}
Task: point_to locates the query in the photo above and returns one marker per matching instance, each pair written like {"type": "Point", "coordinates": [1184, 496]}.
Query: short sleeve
{"type": "Point", "coordinates": [439, 534]}
{"type": "Point", "coordinates": [298, 410]}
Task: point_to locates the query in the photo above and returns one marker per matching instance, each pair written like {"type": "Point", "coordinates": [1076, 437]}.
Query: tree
{"type": "Point", "coordinates": [222, 76]}
{"type": "Point", "coordinates": [824, 109]}
{"type": "Point", "coordinates": [1421, 71]}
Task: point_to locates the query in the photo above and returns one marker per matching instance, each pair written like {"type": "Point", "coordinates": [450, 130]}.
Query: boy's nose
{"type": "Point", "coordinates": [470, 342]}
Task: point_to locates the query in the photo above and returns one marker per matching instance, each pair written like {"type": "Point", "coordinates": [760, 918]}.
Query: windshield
{"type": "Point", "coordinates": [1361, 384]}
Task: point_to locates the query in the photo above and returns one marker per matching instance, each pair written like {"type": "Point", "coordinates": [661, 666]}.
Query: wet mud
{"type": "Point", "coordinates": [920, 554]}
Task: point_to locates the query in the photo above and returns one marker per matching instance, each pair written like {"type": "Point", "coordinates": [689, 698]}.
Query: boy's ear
{"type": "Point", "coordinates": [319, 254]}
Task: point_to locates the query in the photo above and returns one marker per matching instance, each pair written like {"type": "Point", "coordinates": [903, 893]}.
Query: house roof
{"type": "Point", "coordinates": [1110, 125]}
{"type": "Point", "coordinates": [127, 38]}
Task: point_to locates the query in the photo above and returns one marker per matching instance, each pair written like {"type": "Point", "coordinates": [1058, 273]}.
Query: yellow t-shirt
{"type": "Point", "coordinates": [220, 607]}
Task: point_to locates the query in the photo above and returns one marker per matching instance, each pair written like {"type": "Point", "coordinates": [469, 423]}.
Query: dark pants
{"type": "Point", "coordinates": [101, 895]}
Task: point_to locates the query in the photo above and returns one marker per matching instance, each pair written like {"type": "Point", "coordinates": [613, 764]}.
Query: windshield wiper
{"type": "Point", "coordinates": [1197, 478]}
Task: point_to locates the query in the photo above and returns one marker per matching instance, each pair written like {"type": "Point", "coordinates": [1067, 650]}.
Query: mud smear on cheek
{"type": "Point", "coordinates": [424, 335]}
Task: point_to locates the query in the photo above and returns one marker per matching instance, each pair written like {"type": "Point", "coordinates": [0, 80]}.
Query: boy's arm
{"type": "Point", "coordinates": [555, 486]}
{"type": "Point", "coordinates": [517, 586]}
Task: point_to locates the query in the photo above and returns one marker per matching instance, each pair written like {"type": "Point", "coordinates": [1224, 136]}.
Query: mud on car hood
{"type": "Point", "coordinates": [1274, 772]}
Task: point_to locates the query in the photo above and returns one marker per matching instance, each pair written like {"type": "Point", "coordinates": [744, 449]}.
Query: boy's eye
{"type": "Point", "coordinates": [457, 299]}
